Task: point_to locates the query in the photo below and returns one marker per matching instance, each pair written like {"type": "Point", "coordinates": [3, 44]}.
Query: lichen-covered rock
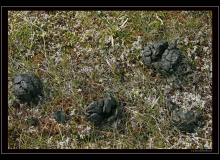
{"type": "Point", "coordinates": [27, 86]}
{"type": "Point", "coordinates": [60, 116]}
{"type": "Point", "coordinates": [103, 109]}
{"type": "Point", "coordinates": [162, 56]}
{"type": "Point", "coordinates": [184, 121]}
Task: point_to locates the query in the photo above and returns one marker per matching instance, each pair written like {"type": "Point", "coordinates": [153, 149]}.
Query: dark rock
{"type": "Point", "coordinates": [32, 121]}
{"type": "Point", "coordinates": [103, 109]}
{"type": "Point", "coordinates": [59, 116]}
{"type": "Point", "coordinates": [162, 57]}
{"type": "Point", "coordinates": [27, 86]}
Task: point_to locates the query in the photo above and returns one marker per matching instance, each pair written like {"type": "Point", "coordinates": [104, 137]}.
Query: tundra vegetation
{"type": "Point", "coordinates": [80, 55]}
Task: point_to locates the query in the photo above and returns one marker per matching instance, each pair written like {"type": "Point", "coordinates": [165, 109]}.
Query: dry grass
{"type": "Point", "coordinates": [80, 55]}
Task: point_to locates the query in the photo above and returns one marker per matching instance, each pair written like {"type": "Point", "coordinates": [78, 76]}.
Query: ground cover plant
{"type": "Point", "coordinates": [80, 55]}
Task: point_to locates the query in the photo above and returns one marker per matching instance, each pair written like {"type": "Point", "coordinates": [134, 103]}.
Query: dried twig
{"type": "Point", "coordinates": [135, 112]}
{"type": "Point", "coordinates": [154, 103]}
{"type": "Point", "coordinates": [159, 129]}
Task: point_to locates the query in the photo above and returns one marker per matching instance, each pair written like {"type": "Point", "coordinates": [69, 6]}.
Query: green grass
{"type": "Point", "coordinates": [80, 55]}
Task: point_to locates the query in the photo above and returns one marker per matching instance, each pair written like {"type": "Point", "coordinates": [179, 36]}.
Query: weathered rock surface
{"type": "Point", "coordinates": [162, 56]}
{"type": "Point", "coordinates": [27, 86]}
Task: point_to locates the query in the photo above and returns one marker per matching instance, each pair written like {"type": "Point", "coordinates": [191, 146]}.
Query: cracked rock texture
{"type": "Point", "coordinates": [162, 56]}
{"type": "Point", "coordinates": [27, 86]}
{"type": "Point", "coordinates": [103, 109]}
